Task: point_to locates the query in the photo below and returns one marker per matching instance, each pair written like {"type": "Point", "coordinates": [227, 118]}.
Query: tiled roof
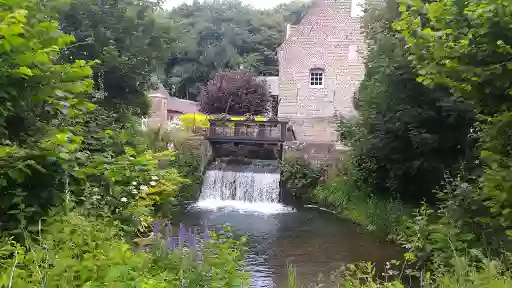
{"type": "Point", "coordinates": [182, 105]}
{"type": "Point", "coordinates": [173, 103]}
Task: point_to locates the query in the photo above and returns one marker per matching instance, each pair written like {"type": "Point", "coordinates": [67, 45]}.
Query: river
{"type": "Point", "coordinates": [316, 242]}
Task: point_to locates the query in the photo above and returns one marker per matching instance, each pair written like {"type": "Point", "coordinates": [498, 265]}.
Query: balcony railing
{"type": "Point", "coordinates": [271, 131]}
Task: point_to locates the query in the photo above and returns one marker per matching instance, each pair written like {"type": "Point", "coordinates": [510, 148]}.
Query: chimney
{"type": "Point", "coordinates": [290, 29]}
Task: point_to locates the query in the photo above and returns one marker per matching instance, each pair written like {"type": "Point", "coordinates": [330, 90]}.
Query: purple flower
{"type": "Point", "coordinates": [182, 235]}
{"type": "Point", "coordinates": [171, 243]}
{"type": "Point", "coordinates": [206, 233]}
{"type": "Point", "coordinates": [155, 229]}
{"type": "Point", "coordinates": [169, 229]}
{"type": "Point", "coordinates": [191, 240]}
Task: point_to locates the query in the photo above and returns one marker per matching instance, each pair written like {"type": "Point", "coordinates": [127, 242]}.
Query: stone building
{"type": "Point", "coordinates": [320, 68]}
{"type": "Point", "coordinates": [165, 108]}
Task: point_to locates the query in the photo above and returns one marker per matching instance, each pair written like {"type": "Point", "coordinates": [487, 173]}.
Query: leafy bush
{"type": "Point", "coordinates": [194, 122]}
{"type": "Point", "coordinates": [235, 93]}
{"type": "Point", "coordinates": [37, 148]}
{"type": "Point", "coordinates": [345, 197]}
{"type": "Point", "coordinates": [490, 274]}
{"type": "Point", "coordinates": [472, 30]}
{"type": "Point", "coordinates": [130, 41]}
{"type": "Point", "coordinates": [408, 134]}
{"type": "Point", "coordinates": [188, 163]}
{"type": "Point", "coordinates": [78, 251]}
{"type": "Point", "coordinates": [300, 178]}
{"type": "Point", "coordinates": [54, 143]}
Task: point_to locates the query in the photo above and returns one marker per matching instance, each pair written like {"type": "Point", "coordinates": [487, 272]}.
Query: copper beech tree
{"type": "Point", "coordinates": [235, 93]}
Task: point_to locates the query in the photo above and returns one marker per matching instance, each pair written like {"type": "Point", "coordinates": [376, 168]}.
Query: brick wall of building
{"type": "Point", "coordinates": [327, 38]}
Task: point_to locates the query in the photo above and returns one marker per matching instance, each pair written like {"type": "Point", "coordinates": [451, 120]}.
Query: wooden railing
{"type": "Point", "coordinates": [270, 131]}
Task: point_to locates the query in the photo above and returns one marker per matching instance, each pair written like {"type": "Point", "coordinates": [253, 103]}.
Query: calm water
{"type": "Point", "coordinates": [315, 241]}
{"type": "Point", "coordinates": [246, 196]}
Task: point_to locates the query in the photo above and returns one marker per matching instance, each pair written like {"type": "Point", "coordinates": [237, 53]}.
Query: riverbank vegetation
{"type": "Point", "coordinates": [224, 36]}
{"type": "Point", "coordinates": [85, 192]}
{"type": "Point", "coordinates": [434, 135]}
{"type": "Point", "coordinates": [84, 189]}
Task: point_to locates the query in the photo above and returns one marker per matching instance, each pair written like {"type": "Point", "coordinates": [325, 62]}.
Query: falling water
{"type": "Point", "coordinates": [250, 185]}
{"type": "Point", "coordinates": [246, 196]}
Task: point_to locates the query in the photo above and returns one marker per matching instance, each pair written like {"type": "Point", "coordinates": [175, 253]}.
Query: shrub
{"type": "Point", "coordinates": [37, 149]}
{"type": "Point", "coordinates": [130, 41]}
{"type": "Point", "coordinates": [490, 274]}
{"type": "Point", "coordinates": [194, 122]}
{"type": "Point", "coordinates": [300, 178]}
{"type": "Point", "coordinates": [344, 196]}
{"type": "Point", "coordinates": [472, 30]}
{"type": "Point", "coordinates": [408, 135]}
{"type": "Point", "coordinates": [235, 93]}
{"type": "Point", "coordinates": [78, 251]}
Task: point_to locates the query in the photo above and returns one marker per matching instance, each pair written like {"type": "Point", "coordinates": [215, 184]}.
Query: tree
{"type": "Point", "coordinates": [411, 134]}
{"type": "Point", "coordinates": [235, 93]}
{"type": "Point", "coordinates": [226, 35]}
{"type": "Point", "coordinates": [38, 97]}
{"type": "Point", "coordinates": [466, 46]}
{"type": "Point", "coordinates": [131, 40]}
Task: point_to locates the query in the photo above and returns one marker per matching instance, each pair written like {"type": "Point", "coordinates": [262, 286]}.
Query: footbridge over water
{"type": "Point", "coordinates": [249, 139]}
{"type": "Point", "coordinates": [243, 164]}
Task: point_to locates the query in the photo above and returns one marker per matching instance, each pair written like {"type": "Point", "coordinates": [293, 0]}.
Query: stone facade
{"type": "Point", "coordinates": [165, 108]}
{"type": "Point", "coordinates": [328, 40]}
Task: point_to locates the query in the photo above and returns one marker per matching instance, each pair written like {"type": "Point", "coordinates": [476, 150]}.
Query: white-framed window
{"type": "Point", "coordinates": [316, 78]}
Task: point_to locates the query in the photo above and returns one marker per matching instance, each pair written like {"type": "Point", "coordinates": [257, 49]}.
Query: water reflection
{"type": "Point", "coordinates": [315, 242]}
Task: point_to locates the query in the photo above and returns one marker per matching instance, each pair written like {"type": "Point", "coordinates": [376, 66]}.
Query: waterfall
{"type": "Point", "coordinates": [249, 185]}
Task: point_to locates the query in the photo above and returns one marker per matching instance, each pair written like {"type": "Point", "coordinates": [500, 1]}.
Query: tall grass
{"type": "Point", "coordinates": [465, 274]}
{"type": "Point", "coordinates": [78, 251]}
{"type": "Point", "coordinates": [343, 196]}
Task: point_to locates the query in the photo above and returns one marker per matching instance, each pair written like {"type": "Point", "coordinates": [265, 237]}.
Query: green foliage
{"type": "Point", "coordinates": [466, 47]}
{"type": "Point", "coordinates": [459, 48]}
{"type": "Point", "coordinates": [226, 35]}
{"type": "Point", "coordinates": [408, 135]}
{"type": "Point", "coordinates": [300, 178]}
{"type": "Point", "coordinates": [490, 274]}
{"type": "Point", "coordinates": [188, 162]}
{"type": "Point", "coordinates": [351, 131]}
{"type": "Point", "coordinates": [55, 143]}
{"type": "Point", "coordinates": [38, 95]}
{"type": "Point", "coordinates": [59, 150]}
{"type": "Point", "coordinates": [131, 39]}
{"type": "Point", "coordinates": [343, 195]}
{"type": "Point", "coordinates": [78, 251]}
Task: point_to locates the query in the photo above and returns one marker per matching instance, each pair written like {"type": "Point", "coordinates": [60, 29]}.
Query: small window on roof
{"type": "Point", "coordinates": [316, 78]}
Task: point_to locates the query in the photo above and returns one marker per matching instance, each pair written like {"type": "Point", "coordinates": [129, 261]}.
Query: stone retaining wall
{"type": "Point", "coordinates": [316, 153]}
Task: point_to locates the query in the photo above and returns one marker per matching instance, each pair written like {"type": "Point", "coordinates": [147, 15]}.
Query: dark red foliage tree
{"type": "Point", "coordinates": [235, 93]}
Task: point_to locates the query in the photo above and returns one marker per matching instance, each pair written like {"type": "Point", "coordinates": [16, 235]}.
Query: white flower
{"type": "Point", "coordinates": [143, 187]}
{"type": "Point", "coordinates": [134, 191]}
{"type": "Point", "coordinates": [134, 183]}
{"type": "Point", "coordinates": [154, 178]}
{"type": "Point", "coordinates": [124, 199]}
{"type": "Point", "coordinates": [153, 183]}
{"type": "Point", "coordinates": [95, 190]}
